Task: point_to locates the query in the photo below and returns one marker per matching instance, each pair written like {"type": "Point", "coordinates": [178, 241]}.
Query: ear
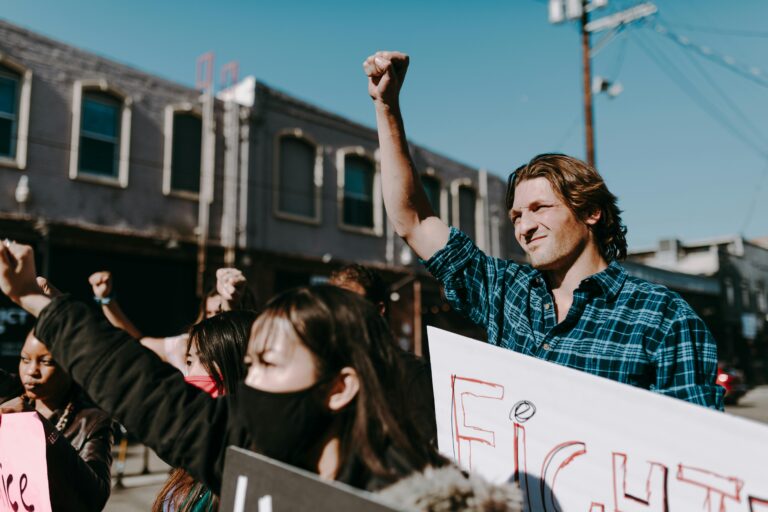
{"type": "Point", "coordinates": [382, 308]}
{"type": "Point", "coordinates": [344, 390]}
{"type": "Point", "coordinates": [594, 217]}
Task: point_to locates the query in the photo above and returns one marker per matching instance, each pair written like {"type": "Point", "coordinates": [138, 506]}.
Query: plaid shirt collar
{"type": "Point", "coordinates": [608, 281]}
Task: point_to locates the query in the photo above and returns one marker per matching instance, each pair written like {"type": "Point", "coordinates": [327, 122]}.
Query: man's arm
{"type": "Point", "coordinates": [404, 199]}
{"type": "Point", "coordinates": [686, 360]}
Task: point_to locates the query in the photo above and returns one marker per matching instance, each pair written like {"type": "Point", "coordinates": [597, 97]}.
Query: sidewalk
{"type": "Point", "coordinates": [139, 489]}
{"type": "Point", "coordinates": [753, 405]}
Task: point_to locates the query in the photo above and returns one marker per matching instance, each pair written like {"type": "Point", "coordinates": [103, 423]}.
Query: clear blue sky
{"type": "Point", "coordinates": [491, 83]}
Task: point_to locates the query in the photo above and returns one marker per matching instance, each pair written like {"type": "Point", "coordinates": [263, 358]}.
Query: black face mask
{"type": "Point", "coordinates": [284, 426]}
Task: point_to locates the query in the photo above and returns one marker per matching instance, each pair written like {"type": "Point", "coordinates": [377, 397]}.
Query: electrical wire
{"type": "Point", "coordinates": [690, 90]}
{"type": "Point", "coordinates": [721, 31]}
{"type": "Point", "coordinates": [752, 73]}
{"type": "Point", "coordinates": [724, 96]}
{"type": "Point", "coordinates": [753, 202]}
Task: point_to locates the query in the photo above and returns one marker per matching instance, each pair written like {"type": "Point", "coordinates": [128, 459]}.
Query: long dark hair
{"type": "Point", "coordinates": [221, 342]}
{"type": "Point", "coordinates": [343, 329]}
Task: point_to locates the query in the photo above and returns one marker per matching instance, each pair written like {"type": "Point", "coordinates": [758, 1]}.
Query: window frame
{"type": "Point", "coordinates": [170, 111]}
{"type": "Point", "coordinates": [297, 133]}
{"type": "Point", "coordinates": [378, 218]}
{"type": "Point", "coordinates": [456, 207]}
{"type": "Point", "coordinates": [443, 193]}
{"type": "Point", "coordinates": [80, 88]}
{"type": "Point", "coordinates": [24, 96]}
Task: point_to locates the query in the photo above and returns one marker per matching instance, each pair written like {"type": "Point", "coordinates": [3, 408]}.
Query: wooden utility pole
{"type": "Point", "coordinates": [589, 128]}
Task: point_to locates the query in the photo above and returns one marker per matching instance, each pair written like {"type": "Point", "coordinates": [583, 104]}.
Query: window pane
{"type": "Point", "coordinates": [100, 116]}
{"type": "Point", "coordinates": [8, 93]}
{"type": "Point", "coordinates": [98, 157]}
{"type": "Point", "coordinates": [432, 189]}
{"type": "Point", "coordinates": [99, 135]}
{"type": "Point", "coordinates": [7, 138]}
{"type": "Point", "coordinates": [185, 152]}
{"type": "Point", "coordinates": [297, 177]}
{"type": "Point", "coordinates": [9, 85]}
{"type": "Point", "coordinates": [467, 211]}
{"type": "Point", "coordinates": [358, 191]}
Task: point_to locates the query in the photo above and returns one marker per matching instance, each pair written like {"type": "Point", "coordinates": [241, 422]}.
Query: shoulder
{"type": "Point", "coordinates": [652, 294]}
{"type": "Point", "coordinates": [668, 305]}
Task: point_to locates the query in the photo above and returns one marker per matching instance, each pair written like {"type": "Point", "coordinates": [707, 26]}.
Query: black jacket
{"type": "Point", "coordinates": [184, 425]}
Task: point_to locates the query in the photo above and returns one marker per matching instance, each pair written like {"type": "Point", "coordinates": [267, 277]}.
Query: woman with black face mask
{"type": "Point", "coordinates": [323, 390]}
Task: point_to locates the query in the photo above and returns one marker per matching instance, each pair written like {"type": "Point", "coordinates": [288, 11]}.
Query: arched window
{"type": "Point", "coordinates": [101, 133]}
{"type": "Point", "coordinates": [298, 172]}
{"type": "Point", "coordinates": [183, 139]}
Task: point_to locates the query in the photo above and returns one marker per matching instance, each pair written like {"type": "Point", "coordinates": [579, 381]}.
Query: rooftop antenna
{"type": "Point", "coordinates": [229, 72]}
{"type": "Point", "coordinates": [204, 72]}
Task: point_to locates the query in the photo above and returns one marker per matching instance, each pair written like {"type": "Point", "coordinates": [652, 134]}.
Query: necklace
{"type": "Point", "coordinates": [62, 423]}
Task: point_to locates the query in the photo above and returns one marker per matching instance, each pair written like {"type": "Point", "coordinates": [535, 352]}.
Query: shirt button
{"type": "Point", "coordinates": [546, 346]}
{"type": "Point", "coordinates": [547, 306]}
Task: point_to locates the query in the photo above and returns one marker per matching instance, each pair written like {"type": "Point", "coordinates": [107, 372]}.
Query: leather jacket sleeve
{"type": "Point", "coordinates": [186, 427]}
{"type": "Point", "coordinates": [80, 479]}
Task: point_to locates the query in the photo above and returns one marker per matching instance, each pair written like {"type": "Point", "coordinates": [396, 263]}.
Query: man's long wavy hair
{"type": "Point", "coordinates": [584, 192]}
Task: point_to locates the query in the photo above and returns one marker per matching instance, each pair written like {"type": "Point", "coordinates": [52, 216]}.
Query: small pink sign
{"type": "Point", "coordinates": [23, 468]}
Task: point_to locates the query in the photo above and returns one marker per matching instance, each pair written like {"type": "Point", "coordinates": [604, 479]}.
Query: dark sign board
{"type": "Point", "coordinates": [15, 323]}
{"type": "Point", "coordinates": [257, 483]}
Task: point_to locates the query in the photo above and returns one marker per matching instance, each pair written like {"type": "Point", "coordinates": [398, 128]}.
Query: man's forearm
{"type": "Point", "coordinates": [404, 198]}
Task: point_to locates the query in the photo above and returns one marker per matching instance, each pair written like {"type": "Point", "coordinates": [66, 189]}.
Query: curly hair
{"type": "Point", "coordinates": [583, 190]}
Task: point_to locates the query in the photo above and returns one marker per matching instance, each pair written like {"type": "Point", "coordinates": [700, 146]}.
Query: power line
{"type": "Point", "coordinates": [753, 203]}
{"type": "Point", "coordinates": [724, 96]}
{"type": "Point", "coordinates": [721, 31]}
{"type": "Point", "coordinates": [752, 73]}
{"type": "Point", "coordinates": [690, 90]}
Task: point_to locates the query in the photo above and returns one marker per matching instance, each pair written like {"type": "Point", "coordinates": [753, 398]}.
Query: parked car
{"type": "Point", "coordinates": [733, 382]}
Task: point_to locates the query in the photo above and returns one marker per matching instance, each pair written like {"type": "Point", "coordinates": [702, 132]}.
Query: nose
{"type": "Point", "coordinates": [526, 224]}
{"type": "Point", "coordinates": [32, 369]}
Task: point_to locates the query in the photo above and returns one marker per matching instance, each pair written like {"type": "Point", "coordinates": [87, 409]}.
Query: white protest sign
{"type": "Point", "coordinates": [23, 467]}
{"type": "Point", "coordinates": [582, 443]}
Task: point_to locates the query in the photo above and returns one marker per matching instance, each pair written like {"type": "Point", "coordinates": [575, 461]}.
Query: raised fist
{"type": "Point", "coordinates": [386, 73]}
{"type": "Point", "coordinates": [101, 283]}
{"type": "Point", "coordinates": [17, 271]}
{"type": "Point", "coordinates": [230, 285]}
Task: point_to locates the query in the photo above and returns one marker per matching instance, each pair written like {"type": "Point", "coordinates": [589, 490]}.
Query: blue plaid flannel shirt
{"type": "Point", "coordinates": [619, 327]}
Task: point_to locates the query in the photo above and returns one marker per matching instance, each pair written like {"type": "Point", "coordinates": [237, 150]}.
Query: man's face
{"type": "Point", "coordinates": [548, 231]}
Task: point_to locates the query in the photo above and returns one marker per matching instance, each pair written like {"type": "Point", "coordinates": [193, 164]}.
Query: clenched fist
{"type": "Point", "coordinates": [101, 283]}
{"type": "Point", "coordinates": [386, 73]}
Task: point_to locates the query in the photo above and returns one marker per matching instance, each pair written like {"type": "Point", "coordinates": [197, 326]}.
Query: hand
{"type": "Point", "coordinates": [101, 283]}
{"type": "Point", "coordinates": [17, 271]}
{"type": "Point", "coordinates": [47, 287]}
{"type": "Point", "coordinates": [230, 285]}
{"type": "Point", "coordinates": [386, 74]}
{"type": "Point", "coordinates": [18, 404]}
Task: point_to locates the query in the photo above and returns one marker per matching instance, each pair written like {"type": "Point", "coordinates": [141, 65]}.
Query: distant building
{"type": "Point", "coordinates": [104, 166]}
{"type": "Point", "coordinates": [740, 267]}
